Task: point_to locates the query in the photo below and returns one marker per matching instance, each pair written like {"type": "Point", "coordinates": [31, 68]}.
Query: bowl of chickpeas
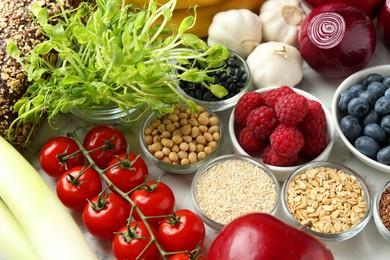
{"type": "Point", "coordinates": [182, 141]}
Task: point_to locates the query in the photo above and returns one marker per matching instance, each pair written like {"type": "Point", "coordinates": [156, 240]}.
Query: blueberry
{"type": "Point", "coordinates": [372, 78]}
{"type": "Point", "coordinates": [345, 98]}
{"type": "Point", "coordinates": [367, 146]}
{"type": "Point", "coordinates": [371, 117]}
{"type": "Point", "coordinates": [358, 107]}
{"type": "Point", "coordinates": [377, 87]}
{"type": "Point", "coordinates": [387, 93]}
{"type": "Point", "coordinates": [376, 132]}
{"type": "Point", "coordinates": [382, 105]}
{"type": "Point", "coordinates": [351, 128]}
{"type": "Point", "coordinates": [385, 123]}
{"type": "Point", "coordinates": [383, 156]}
{"type": "Point", "coordinates": [357, 88]}
{"type": "Point", "coordinates": [370, 96]}
{"type": "Point", "coordinates": [386, 81]}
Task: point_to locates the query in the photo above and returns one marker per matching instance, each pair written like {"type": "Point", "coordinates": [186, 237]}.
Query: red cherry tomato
{"type": "Point", "coordinates": [77, 185]}
{"type": "Point", "coordinates": [186, 256]}
{"type": "Point", "coordinates": [184, 231]}
{"type": "Point", "coordinates": [133, 248]}
{"type": "Point", "coordinates": [155, 199]}
{"type": "Point", "coordinates": [129, 173]}
{"type": "Point", "coordinates": [107, 141]}
{"type": "Point", "coordinates": [60, 154]}
{"type": "Point", "coordinates": [111, 214]}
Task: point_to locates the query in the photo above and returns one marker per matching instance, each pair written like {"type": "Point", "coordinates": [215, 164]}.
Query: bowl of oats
{"type": "Point", "coordinates": [327, 200]}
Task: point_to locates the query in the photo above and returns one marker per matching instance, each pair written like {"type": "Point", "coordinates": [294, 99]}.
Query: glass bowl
{"type": "Point", "coordinates": [224, 104]}
{"type": "Point", "coordinates": [229, 186]}
{"type": "Point", "coordinates": [105, 115]}
{"type": "Point", "coordinates": [327, 200]}
{"type": "Point", "coordinates": [356, 78]}
{"type": "Point", "coordinates": [378, 206]}
{"type": "Point", "coordinates": [181, 145]}
{"type": "Point", "coordinates": [280, 172]}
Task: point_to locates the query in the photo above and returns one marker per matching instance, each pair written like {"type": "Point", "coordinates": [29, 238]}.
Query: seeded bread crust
{"type": "Point", "coordinates": [16, 25]}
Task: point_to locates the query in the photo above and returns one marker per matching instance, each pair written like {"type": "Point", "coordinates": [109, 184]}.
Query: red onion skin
{"type": "Point", "coordinates": [353, 50]}
{"type": "Point", "coordinates": [370, 7]}
{"type": "Point", "coordinates": [383, 24]}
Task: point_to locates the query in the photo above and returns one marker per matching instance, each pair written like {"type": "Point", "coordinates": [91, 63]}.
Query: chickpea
{"type": "Point", "coordinates": [192, 157]}
{"type": "Point", "coordinates": [155, 132]}
{"type": "Point", "coordinates": [187, 138]}
{"type": "Point", "coordinates": [148, 131]}
{"type": "Point", "coordinates": [176, 125]}
{"type": "Point", "coordinates": [185, 129]}
{"type": "Point", "coordinates": [156, 139]}
{"type": "Point", "coordinates": [167, 142]}
{"type": "Point", "coordinates": [173, 156]}
{"type": "Point", "coordinates": [213, 144]}
{"type": "Point", "coordinates": [184, 147]}
{"type": "Point", "coordinates": [203, 120]}
{"type": "Point", "coordinates": [165, 150]}
{"type": "Point", "coordinates": [166, 122]}
{"type": "Point", "coordinates": [166, 159]}
{"type": "Point", "coordinates": [157, 146]}
{"type": "Point", "coordinates": [208, 136]}
{"type": "Point", "coordinates": [199, 148]}
{"type": "Point", "coordinates": [214, 121]}
{"type": "Point", "coordinates": [148, 139]}
{"type": "Point", "coordinates": [208, 150]}
{"type": "Point", "coordinates": [213, 129]}
{"type": "Point", "coordinates": [173, 117]}
{"type": "Point", "coordinates": [183, 121]}
{"type": "Point", "coordinates": [182, 154]}
{"type": "Point", "coordinates": [203, 129]}
{"type": "Point", "coordinates": [216, 136]}
{"type": "Point", "coordinates": [201, 155]}
{"type": "Point", "coordinates": [156, 123]}
{"type": "Point", "coordinates": [184, 161]}
{"type": "Point", "coordinates": [161, 128]}
{"type": "Point", "coordinates": [170, 128]}
{"type": "Point", "coordinates": [175, 148]}
{"type": "Point", "coordinates": [159, 155]}
{"type": "Point", "coordinates": [192, 147]}
{"type": "Point", "coordinates": [177, 139]}
{"type": "Point", "coordinates": [183, 116]}
{"type": "Point", "coordinates": [201, 139]}
{"type": "Point", "coordinates": [193, 122]}
{"type": "Point", "coordinates": [166, 134]}
{"type": "Point", "coordinates": [195, 132]}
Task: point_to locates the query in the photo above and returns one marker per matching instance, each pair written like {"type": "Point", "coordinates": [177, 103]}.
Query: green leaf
{"type": "Point", "coordinates": [44, 47]}
{"type": "Point", "coordinates": [40, 13]}
{"type": "Point", "coordinates": [13, 50]}
{"type": "Point", "coordinates": [82, 34]}
{"type": "Point", "coordinates": [218, 90]}
{"type": "Point", "coordinates": [186, 24]}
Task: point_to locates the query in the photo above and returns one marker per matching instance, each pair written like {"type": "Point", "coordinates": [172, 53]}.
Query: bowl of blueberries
{"type": "Point", "coordinates": [234, 76]}
{"type": "Point", "coordinates": [361, 110]}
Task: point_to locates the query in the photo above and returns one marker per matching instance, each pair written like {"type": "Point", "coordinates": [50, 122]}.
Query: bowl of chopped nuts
{"type": "Point", "coordinates": [381, 210]}
{"type": "Point", "coordinates": [328, 200]}
{"type": "Point", "coordinates": [283, 127]}
{"type": "Point", "coordinates": [229, 186]}
{"type": "Point", "coordinates": [181, 142]}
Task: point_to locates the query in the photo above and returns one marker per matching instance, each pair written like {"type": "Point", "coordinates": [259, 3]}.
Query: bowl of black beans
{"type": "Point", "coordinates": [234, 76]}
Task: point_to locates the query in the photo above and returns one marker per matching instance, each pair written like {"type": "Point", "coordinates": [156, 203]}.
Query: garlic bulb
{"type": "Point", "coordinates": [281, 20]}
{"type": "Point", "coordinates": [238, 30]}
{"type": "Point", "coordinates": [275, 64]}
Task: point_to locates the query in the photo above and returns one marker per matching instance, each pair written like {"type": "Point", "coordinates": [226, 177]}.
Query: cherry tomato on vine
{"type": "Point", "coordinates": [58, 155]}
{"type": "Point", "coordinates": [106, 141]}
{"type": "Point", "coordinates": [130, 171]}
{"type": "Point", "coordinates": [129, 246]}
{"type": "Point", "coordinates": [153, 199]}
{"type": "Point", "coordinates": [186, 256]}
{"type": "Point", "coordinates": [77, 185]}
{"type": "Point", "coordinates": [105, 214]}
{"type": "Point", "coordinates": [183, 231]}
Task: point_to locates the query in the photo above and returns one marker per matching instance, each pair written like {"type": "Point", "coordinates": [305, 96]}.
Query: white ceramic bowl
{"type": "Point", "coordinates": [357, 77]}
{"type": "Point", "coordinates": [282, 173]}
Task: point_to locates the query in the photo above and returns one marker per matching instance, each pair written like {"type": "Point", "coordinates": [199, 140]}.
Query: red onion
{"type": "Point", "coordinates": [383, 23]}
{"type": "Point", "coordinates": [337, 39]}
{"type": "Point", "coordinates": [370, 7]}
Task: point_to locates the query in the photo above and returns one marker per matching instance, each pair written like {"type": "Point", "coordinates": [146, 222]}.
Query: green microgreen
{"type": "Point", "coordinates": [111, 53]}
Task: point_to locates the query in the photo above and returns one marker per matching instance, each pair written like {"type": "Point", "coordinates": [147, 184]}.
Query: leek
{"type": "Point", "coordinates": [46, 222]}
{"type": "Point", "coordinates": [14, 243]}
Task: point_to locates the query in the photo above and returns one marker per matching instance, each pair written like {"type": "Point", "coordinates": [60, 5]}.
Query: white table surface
{"type": "Point", "coordinates": [369, 244]}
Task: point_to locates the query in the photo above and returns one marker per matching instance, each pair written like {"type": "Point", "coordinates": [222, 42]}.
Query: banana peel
{"type": "Point", "coordinates": [206, 9]}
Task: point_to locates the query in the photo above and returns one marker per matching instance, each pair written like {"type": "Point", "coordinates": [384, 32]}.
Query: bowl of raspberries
{"type": "Point", "coordinates": [284, 127]}
{"type": "Point", "coordinates": [361, 111]}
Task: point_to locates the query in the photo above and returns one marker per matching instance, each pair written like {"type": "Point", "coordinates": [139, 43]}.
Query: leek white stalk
{"type": "Point", "coordinates": [14, 243]}
{"type": "Point", "coordinates": [46, 222]}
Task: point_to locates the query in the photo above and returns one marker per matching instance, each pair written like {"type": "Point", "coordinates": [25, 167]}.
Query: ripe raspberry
{"type": "Point", "coordinates": [315, 120]}
{"type": "Point", "coordinates": [271, 157]}
{"type": "Point", "coordinates": [291, 109]}
{"type": "Point", "coordinates": [248, 102]}
{"type": "Point", "coordinates": [286, 140]}
{"type": "Point", "coordinates": [314, 145]}
{"type": "Point", "coordinates": [262, 121]}
{"type": "Point", "coordinates": [249, 142]}
{"type": "Point", "coordinates": [272, 96]}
